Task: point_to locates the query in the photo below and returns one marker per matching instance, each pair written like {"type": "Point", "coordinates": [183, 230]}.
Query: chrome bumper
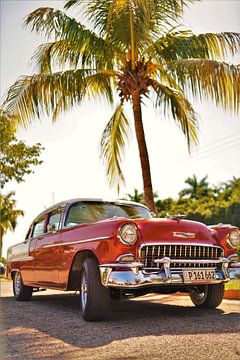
{"type": "Point", "coordinates": [234, 272]}
{"type": "Point", "coordinates": [134, 275]}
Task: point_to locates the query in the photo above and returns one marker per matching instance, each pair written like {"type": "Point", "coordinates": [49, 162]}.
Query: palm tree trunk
{"type": "Point", "coordinates": [143, 152]}
{"type": "Point", "coordinates": [1, 239]}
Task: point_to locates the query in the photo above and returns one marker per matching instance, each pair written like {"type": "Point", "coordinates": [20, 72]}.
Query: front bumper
{"type": "Point", "coordinates": [133, 275]}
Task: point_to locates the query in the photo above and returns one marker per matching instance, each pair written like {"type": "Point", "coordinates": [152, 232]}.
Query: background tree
{"type": "Point", "coordinates": [139, 197]}
{"type": "Point", "coordinates": [8, 215]}
{"type": "Point", "coordinates": [16, 158]}
{"type": "Point", "coordinates": [220, 204]}
{"type": "Point", "coordinates": [132, 47]}
{"type": "Point", "coordinates": [136, 196]}
{"type": "Point", "coordinates": [196, 188]}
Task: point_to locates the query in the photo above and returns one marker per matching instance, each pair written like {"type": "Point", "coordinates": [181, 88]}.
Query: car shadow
{"type": "Point", "coordinates": [58, 316]}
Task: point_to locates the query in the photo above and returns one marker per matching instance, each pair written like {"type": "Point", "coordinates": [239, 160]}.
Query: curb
{"type": "Point", "coordinates": [228, 294]}
{"type": "Point", "coordinates": [232, 294]}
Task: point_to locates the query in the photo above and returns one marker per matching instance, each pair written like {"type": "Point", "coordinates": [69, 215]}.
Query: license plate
{"type": "Point", "coordinates": [198, 275]}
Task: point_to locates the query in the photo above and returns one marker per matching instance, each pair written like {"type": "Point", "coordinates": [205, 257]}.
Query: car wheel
{"type": "Point", "coordinates": [94, 297]}
{"type": "Point", "coordinates": [21, 292]}
{"type": "Point", "coordinates": [207, 296]}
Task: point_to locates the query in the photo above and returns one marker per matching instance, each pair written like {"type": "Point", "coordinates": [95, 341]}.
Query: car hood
{"type": "Point", "coordinates": [176, 231]}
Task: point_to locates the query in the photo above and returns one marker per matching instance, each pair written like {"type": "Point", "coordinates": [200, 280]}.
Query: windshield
{"type": "Point", "coordinates": [87, 212]}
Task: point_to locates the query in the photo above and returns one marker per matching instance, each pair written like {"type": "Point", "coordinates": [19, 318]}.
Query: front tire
{"type": "Point", "coordinates": [21, 292]}
{"type": "Point", "coordinates": [94, 297]}
{"type": "Point", "coordinates": [207, 296]}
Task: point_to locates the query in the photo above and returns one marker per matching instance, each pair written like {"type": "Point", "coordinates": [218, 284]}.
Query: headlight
{"type": "Point", "coordinates": [128, 234]}
{"type": "Point", "coordinates": [234, 239]}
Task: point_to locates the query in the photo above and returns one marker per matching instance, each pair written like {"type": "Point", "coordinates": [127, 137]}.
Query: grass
{"type": "Point", "coordinates": [233, 285]}
{"type": "Point", "coordinates": [3, 278]}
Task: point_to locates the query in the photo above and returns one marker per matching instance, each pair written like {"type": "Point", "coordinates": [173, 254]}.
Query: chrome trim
{"type": "Point", "coordinates": [173, 243]}
{"type": "Point", "coordinates": [121, 265]}
{"type": "Point", "coordinates": [229, 242]}
{"type": "Point", "coordinates": [120, 256]}
{"type": "Point", "coordinates": [78, 241]}
{"type": "Point", "coordinates": [184, 235]}
{"type": "Point", "coordinates": [127, 279]}
{"type": "Point", "coordinates": [17, 283]}
{"type": "Point", "coordinates": [175, 217]}
{"type": "Point", "coordinates": [84, 291]}
{"type": "Point", "coordinates": [235, 265]}
{"type": "Point", "coordinates": [220, 224]}
{"type": "Point", "coordinates": [24, 258]}
{"type": "Point", "coordinates": [119, 235]}
{"type": "Point", "coordinates": [178, 243]}
{"type": "Point", "coordinates": [187, 261]}
{"type": "Point", "coordinates": [134, 266]}
{"type": "Point", "coordinates": [236, 256]}
{"type": "Point", "coordinates": [137, 278]}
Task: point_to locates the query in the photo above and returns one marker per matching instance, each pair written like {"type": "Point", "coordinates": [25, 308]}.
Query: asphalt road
{"type": "Point", "coordinates": [150, 327]}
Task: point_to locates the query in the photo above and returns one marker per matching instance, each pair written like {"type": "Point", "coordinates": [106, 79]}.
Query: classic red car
{"type": "Point", "coordinates": [109, 249]}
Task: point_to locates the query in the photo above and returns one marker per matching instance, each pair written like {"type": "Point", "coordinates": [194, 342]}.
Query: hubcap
{"type": "Point", "coordinates": [17, 283]}
{"type": "Point", "coordinates": [84, 291]}
{"type": "Point", "coordinates": [200, 294]}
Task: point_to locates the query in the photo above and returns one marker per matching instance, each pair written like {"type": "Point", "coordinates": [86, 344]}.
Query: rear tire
{"type": "Point", "coordinates": [207, 296]}
{"type": "Point", "coordinates": [21, 292]}
{"type": "Point", "coordinates": [94, 297]}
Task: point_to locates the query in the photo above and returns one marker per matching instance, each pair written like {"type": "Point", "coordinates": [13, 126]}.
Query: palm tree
{"type": "Point", "coordinates": [139, 197]}
{"type": "Point", "coordinates": [8, 215]}
{"type": "Point", "coordinates": [196, 189]}
{"type": "Point", "coordinates": [136, 196]}
{"type": "Point", "coordinates": [136, 49]}
{"type": "Point", "coordinates": [230, 189]}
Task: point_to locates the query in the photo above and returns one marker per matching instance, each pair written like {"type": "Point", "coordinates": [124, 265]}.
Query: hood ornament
{"type": "Point", "coordinates": [184, 235]}
{"type": "Point", "coordinates": [175, 217]}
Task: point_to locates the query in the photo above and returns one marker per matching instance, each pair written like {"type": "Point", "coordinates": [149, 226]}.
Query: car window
{"type": "Point", "coordinates": [78, 214]}
{"type": "Point", "coordinates": [29, 233]}
{"type": "Point", "coordinates": [54, 220]}
{"type": "Point", "coordinates": [84, 213]}
{"type": "Point", "coordinates": [38, 228]}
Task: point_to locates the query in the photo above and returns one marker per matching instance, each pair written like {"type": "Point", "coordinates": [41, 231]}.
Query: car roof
{"type": "Point", "coordinates": [72, 201]}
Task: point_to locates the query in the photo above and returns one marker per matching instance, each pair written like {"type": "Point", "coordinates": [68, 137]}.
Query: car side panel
{"type": "Point", "coordinates": [100, 238]}
{"type": "Point", "coordinates": [20, 258]}
{"type": "Point", "coordinates": [47, 260]}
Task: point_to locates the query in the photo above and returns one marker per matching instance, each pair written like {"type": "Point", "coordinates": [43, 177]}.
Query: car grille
{"type": "Point", "coordinates": [149, 253]}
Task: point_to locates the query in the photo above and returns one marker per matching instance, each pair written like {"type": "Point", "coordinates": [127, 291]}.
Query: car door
{"type": "Point", "coordinates": [47, 251]}
{"type": "Point", "coordinates": [27, 254]}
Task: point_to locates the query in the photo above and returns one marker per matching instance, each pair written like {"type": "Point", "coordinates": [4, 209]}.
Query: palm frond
{"type": "Point", "coordinates": [113, 18]}
{"type": "Point", "coordinates": [112, 146]}
{"type": "Point", "coordinates": [184, 45]}
{"type": "Point", "coordinates": [218, 81]}
{"type": "Point", "coordinates": [73, 41]}
{"type": "Point", "coordinates": [51, 94]}
{"type": "Point", "coordinates": [173, 101]}
{"type": "Point", "coordinates": [42, 58]}
{"type": "Point", "coordinates": [99, 8]}
{"type": "Point", "coordinates": [53, 22]}
{"type": "Point", "coordinates": [63, 53]}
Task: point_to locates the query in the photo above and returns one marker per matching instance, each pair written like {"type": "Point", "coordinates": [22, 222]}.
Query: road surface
{"type": "Point", "coordinates": [150, 327]}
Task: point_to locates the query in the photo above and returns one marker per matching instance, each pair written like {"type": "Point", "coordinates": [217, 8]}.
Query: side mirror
{"type": "Point", "coordinates": [51, 228]}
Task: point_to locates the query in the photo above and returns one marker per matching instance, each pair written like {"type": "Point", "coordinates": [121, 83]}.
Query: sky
{"type": "Point", "coordinates": [71, 166]}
